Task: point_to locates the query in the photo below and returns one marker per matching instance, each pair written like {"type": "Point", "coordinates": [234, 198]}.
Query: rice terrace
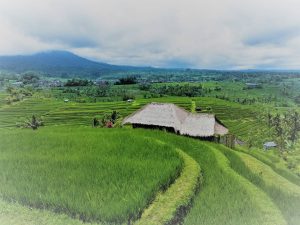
{"type": "Point", "coordinates": [82, 166]}
{"type": "Point", "coordinates": [149, 112]}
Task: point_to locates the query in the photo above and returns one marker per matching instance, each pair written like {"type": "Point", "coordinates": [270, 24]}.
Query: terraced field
{"type": "Point", "coordinates": [228, 196]}
{"type": "Point", "coordinates": [283, 192]}
{"type": "Point", "coordinates": [56, 112]}
{"type": "Point", "coordinates": [85, 173]}
{"type": "Point", "coordinates": [271, 159]}
{"type": "Point", "coordinates": [236, 189]}
{"type": "Point", "coordinates": [120, 175]}
{"type": "Point", "coordinates": [241, 120]}
{"type": "Point", "coordinates": [2, 99]}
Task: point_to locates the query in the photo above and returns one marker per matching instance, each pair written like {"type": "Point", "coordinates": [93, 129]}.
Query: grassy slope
{"type": "Point", "coordinates": [228, 194]}
{"type": "Point", "coordinates": [20, 111]}
{"type": "Point", "coordinates": [225, 196]}
{"type": "Point", "coordinates": [274, 162]}
{"type": "Point", "coordinates": [234, 90]}
{"type": "Point", "coordinates": [285, 194]}
{"type": "Point", "coordinates": [75, 113]}
{"type": "Point", "coordinates": [170, 206]}
{"type": "Point", "coordinates": [84, 172]}
{"type": "Point", "coordinates": [2, 99]}
{"type": "Point", "coordinates": [239, 119]}
{"type": "Point", "coordinates": [56, 112]}
{"type": "Point", "coordinates": [16, 214]}
{"type": "Point", "coordinates": [294, 159]}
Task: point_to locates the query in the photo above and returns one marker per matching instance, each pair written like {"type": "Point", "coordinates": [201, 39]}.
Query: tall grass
{"type": "Point", "coordinates": [91, 174]}
{"type": "Point", "coordinates": [274, 162]}
{"type": "Point", "coordinates": [2, 99]}
{"type": "Point", "coordinates": [225, 196]}
{"type": "Point", "coordinates": [169, 207]}
{"type": "Point", "coordinates": [285, 194]}
{"type": "Point", "coordinates": [239, 119]}
{"type": "Point", "coordinates": [16, 214]}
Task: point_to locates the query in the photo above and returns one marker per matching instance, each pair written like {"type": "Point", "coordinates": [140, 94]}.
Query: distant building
{"type": "Point", "coordinates": [56, 83]}
{"type": "Point", "coordinates": [269, 145]}
{"type": "Point", "coordinates": [49, 83]}
{"type": "Point", "coordinates": [18, 84]}
{"type": "Point", "coordinates": [253, 85]}
{"type": "Point", "coordinates": [130, 100]}
{"type": "Point", "coordinates": [175, 119]}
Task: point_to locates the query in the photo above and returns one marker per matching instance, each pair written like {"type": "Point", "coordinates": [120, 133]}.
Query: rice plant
{"type": "Point", "coordinates": [91, 174]}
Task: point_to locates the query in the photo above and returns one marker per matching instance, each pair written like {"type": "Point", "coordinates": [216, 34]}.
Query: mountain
{"type": "Point", "coordinates": [59, 64]}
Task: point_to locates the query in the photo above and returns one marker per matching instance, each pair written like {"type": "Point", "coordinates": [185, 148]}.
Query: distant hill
{"type": "Point", "coordinates": [60, 64]}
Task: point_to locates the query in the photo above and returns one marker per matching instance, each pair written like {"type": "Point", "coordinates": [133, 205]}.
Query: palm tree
{"type": "Point", "coordinates": [34, 123]}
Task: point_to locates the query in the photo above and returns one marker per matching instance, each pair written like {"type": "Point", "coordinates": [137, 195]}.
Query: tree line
{"type": "Point", "coordinates": [285, 128]}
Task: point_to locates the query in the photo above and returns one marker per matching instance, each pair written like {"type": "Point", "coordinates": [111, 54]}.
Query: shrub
{"type": "Point", "coordinates": [127, 80]}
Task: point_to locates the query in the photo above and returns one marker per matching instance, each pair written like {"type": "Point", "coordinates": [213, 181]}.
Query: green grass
{"type": "Point", "coordinates": [233, 192]}
{"type": "Point", "coordinates": [285, 194]}
{"type": "Point", "coordinates": [56, 112]}
{"type": "Point", "coordinates": [241, 120]}
{"type": "Point", "coordinates": [225, 196]}
{"type": "Point", "coordinates": [274, 161]}
{"type": "Point", "coordinates": [2, 99]}
{"type": "Point", "coordinates": [14, 213]}
{"type": "Point", "coordinates": [293, 159]}
{"type": "Point", "coordinates": [91, 174]}
{"type": "Point", "coordinates": [234, 90]}
{"type": "Point", "coordinates": [229, 194]}
{"type": "Point", "coordinates": [170, 206]}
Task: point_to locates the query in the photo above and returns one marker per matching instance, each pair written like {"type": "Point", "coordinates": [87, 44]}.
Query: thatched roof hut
{"type": "Point", "coordinates": [172, 117]}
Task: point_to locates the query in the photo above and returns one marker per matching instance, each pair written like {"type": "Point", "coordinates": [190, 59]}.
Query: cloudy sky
{"type": "Point", "coordinates": [220, 34]}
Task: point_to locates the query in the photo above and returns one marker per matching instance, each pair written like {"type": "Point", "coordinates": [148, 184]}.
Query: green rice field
{"type": "Point", "coordinates": [70, 173]}
{"type": "Point", "coordinates": [85, 173]}
{"type": "Point", "coordinates": [239, 119]}
{"type": "Point", "coordinates": [2, 99]}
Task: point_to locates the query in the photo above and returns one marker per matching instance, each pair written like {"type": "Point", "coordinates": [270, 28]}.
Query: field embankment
{"type": "Point", "coordinates": [170, 206]}
{"type": "Point", "coordinates": [275, 162]}
{"type": "Point", "coordinates": [112, 175]}
{"type": "Point", "coordinates": [285, 194]}
{"type": "Point", "coordinates": [2, 99]}
{"type": "Point", "coordinates": [226, 197]}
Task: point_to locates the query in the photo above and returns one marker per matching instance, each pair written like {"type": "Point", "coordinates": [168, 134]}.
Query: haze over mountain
{"type": "Point", "coordinates": [59, 63]}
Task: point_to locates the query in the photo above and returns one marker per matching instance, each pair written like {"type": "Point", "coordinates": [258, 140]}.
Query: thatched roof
{"type": "Point", "coordinates": [183, 122]}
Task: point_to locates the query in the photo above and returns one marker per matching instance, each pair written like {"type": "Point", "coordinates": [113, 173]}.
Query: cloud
{"type": "Point", "coordinates": [227, 34]}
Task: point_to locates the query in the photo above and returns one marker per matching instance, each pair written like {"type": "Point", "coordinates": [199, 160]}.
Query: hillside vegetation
{"type": "Point", "coordinates": [129, 176]}
{"type": "Point", "coordinates": [94, 175]}
{"type": "Point", "coordinates": [247, 123]}
{"type": "Point", "coordinates": [226, 197]}
{"type": "Point", "coordinates": [56, 63]}
{"type": "Point", "coordinates": [70, 172]}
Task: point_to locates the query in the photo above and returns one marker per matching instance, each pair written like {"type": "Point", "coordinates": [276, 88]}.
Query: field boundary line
{"type": "Point", "coordinates": [268, 174]}
{"type": "Point", "coordinates": [273, 215]}
{"type": "Point", "coordinates": [193, 106]}
{"type": "Point", "coordinates": [283, 172]}
{"type": "Point", "coordinates": [170, 206]}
